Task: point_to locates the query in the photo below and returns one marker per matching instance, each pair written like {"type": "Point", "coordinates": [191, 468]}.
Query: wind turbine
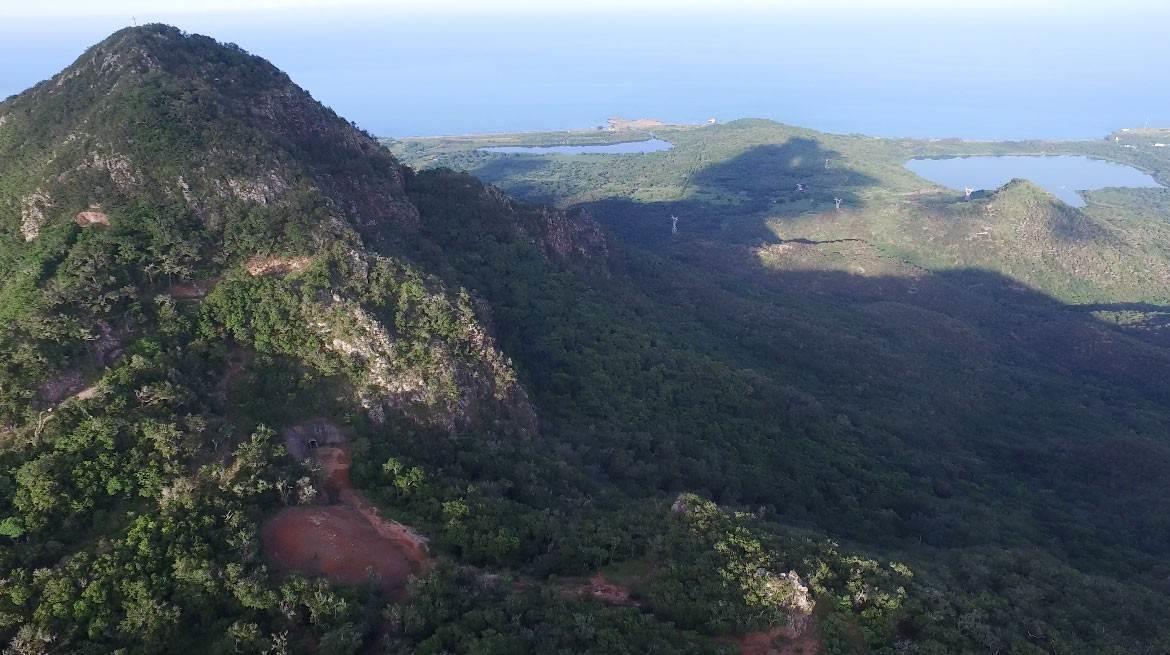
{"type": "Point", "coordinates": [838, 201]}
{"type": "Point", "coordinates": [969, 191]}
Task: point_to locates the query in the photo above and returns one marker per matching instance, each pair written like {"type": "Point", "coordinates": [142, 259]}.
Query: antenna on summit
{"type": "Point", "coordinates": [134, 21]}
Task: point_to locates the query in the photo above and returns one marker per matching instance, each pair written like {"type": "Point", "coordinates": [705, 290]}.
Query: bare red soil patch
{"type": "Point", "coordinates": [782, 641]}
{"type": "Point", "coordinates": [237, 363]}
{"type": "Point", "coordinates": [346, 542]}
{"type": "Point", "coordinates": [193, 290]}
{"type": "Point", "coordinates": [598, 588]}
{"type": "Point", "coordinates": [335, 464]}
{"type": "Point", "coordinates": [338, 543]}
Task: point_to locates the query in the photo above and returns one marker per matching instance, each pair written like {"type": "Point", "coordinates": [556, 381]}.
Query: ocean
{"type": "Point", "coordinates": [968, 74]}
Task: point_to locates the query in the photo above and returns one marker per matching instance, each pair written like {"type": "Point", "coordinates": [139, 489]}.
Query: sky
{"type": "Point", "coordinates": [925, 68]}
{"type": "Point", "coordinates": [49, 8]}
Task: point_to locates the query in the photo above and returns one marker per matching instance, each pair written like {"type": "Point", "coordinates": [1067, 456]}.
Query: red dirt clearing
{"type": "Point", "coordinates": [348, 542]}
{"type": "Point", "coordinates": [598, 588]}
{"type": "Point", "coordinates": [338, 543]}
{"type": "Point", "coordinates": [192, 290]}
{"type": "Point", "coordinates": [782, 641]}
{"type": "Point", "coordinates": [335, 465]}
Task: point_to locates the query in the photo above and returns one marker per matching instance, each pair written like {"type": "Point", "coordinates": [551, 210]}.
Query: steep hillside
{"type": "Point", "coordinates": [218, 298]}
{"type": "Point", "coordinates": [894, 387]}
{"type": "Point", "coordinates": [160, 163]}
{"type": "Point", "coordinates": [203, 125]}
{"type": "Point", "coordinates": [263, 389]}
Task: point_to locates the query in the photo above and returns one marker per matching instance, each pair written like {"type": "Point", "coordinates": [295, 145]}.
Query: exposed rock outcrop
{"type": "Point", "coordinates": [449, 390]}
{"type": "Point", "coordinates": [259, 265]}
{"type": "Point", "coordinates": [119, 167]}
{"type": "Point", "coordinates": [563, 235]}
{"type": "Point", "coordinates": [756, 575]}
{"type": "Point", "coordinates": [32, 214]}
{"type": "Point", "coordinates": [573, 234]}
{"type": "Point", "coordinates": [262, 190]}
{"type": "Point", "coordinates": [91, 217]}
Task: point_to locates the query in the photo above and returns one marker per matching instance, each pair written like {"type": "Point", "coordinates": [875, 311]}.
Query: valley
{"type": "Point", "coordinates": [940, 322]}
{"type": "Point", "coordinates": [763, 390]}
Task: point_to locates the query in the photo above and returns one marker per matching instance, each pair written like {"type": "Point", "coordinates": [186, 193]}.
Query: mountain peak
{"type": "Point", "coordinates": [133, 53]}
{"type": "Point", "coordinates": [145, 47]}
{"type": "Point", "coordinates": [152, 110]}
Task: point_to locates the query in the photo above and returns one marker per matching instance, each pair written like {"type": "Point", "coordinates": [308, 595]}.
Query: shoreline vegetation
{"type": "Point", "coordinates": [619, 130]}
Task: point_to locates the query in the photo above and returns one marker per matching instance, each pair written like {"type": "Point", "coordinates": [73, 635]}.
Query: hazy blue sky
{"type": "Point", "coordinates": [1059, 69]}
{"type": "Point", "coordinates": [118, 7]}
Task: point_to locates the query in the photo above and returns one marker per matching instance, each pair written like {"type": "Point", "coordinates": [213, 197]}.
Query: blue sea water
{"type": "Point", "coordinates": [971, 74]}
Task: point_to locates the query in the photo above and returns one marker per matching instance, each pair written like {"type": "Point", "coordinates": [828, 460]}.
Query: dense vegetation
{"type": "Point", "coordinates": [932, 394]}
{"type": "Point", "coordinates": [697, 418]}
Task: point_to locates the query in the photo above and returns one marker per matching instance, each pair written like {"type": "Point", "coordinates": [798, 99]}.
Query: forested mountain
{"type": "Point", "coordinates": [264, 389]}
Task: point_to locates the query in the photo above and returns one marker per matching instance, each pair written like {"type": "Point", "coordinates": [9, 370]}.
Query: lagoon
{"type": "Point", "coordinates": [1063, 176]}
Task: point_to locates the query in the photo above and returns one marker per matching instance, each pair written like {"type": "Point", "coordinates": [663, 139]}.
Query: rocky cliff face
{"type": "Point", "coordinates": [564, 235]}
{"type": "Point", "coordinates": [465, 378]}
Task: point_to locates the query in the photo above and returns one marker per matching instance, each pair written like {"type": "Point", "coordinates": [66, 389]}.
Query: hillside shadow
{"type": "Point", "coordinates": [728, 201]}
{"type": "Point", "coordinates": [511, 170]}
{"type": "Point", "coordinates": [949, 388]}
{"type": "Point", "coordinates": [797, 176]}
{"type": "Point", "coordinates": [731, 200]}
{"type": "Point", "coordinates": [953, 408]}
